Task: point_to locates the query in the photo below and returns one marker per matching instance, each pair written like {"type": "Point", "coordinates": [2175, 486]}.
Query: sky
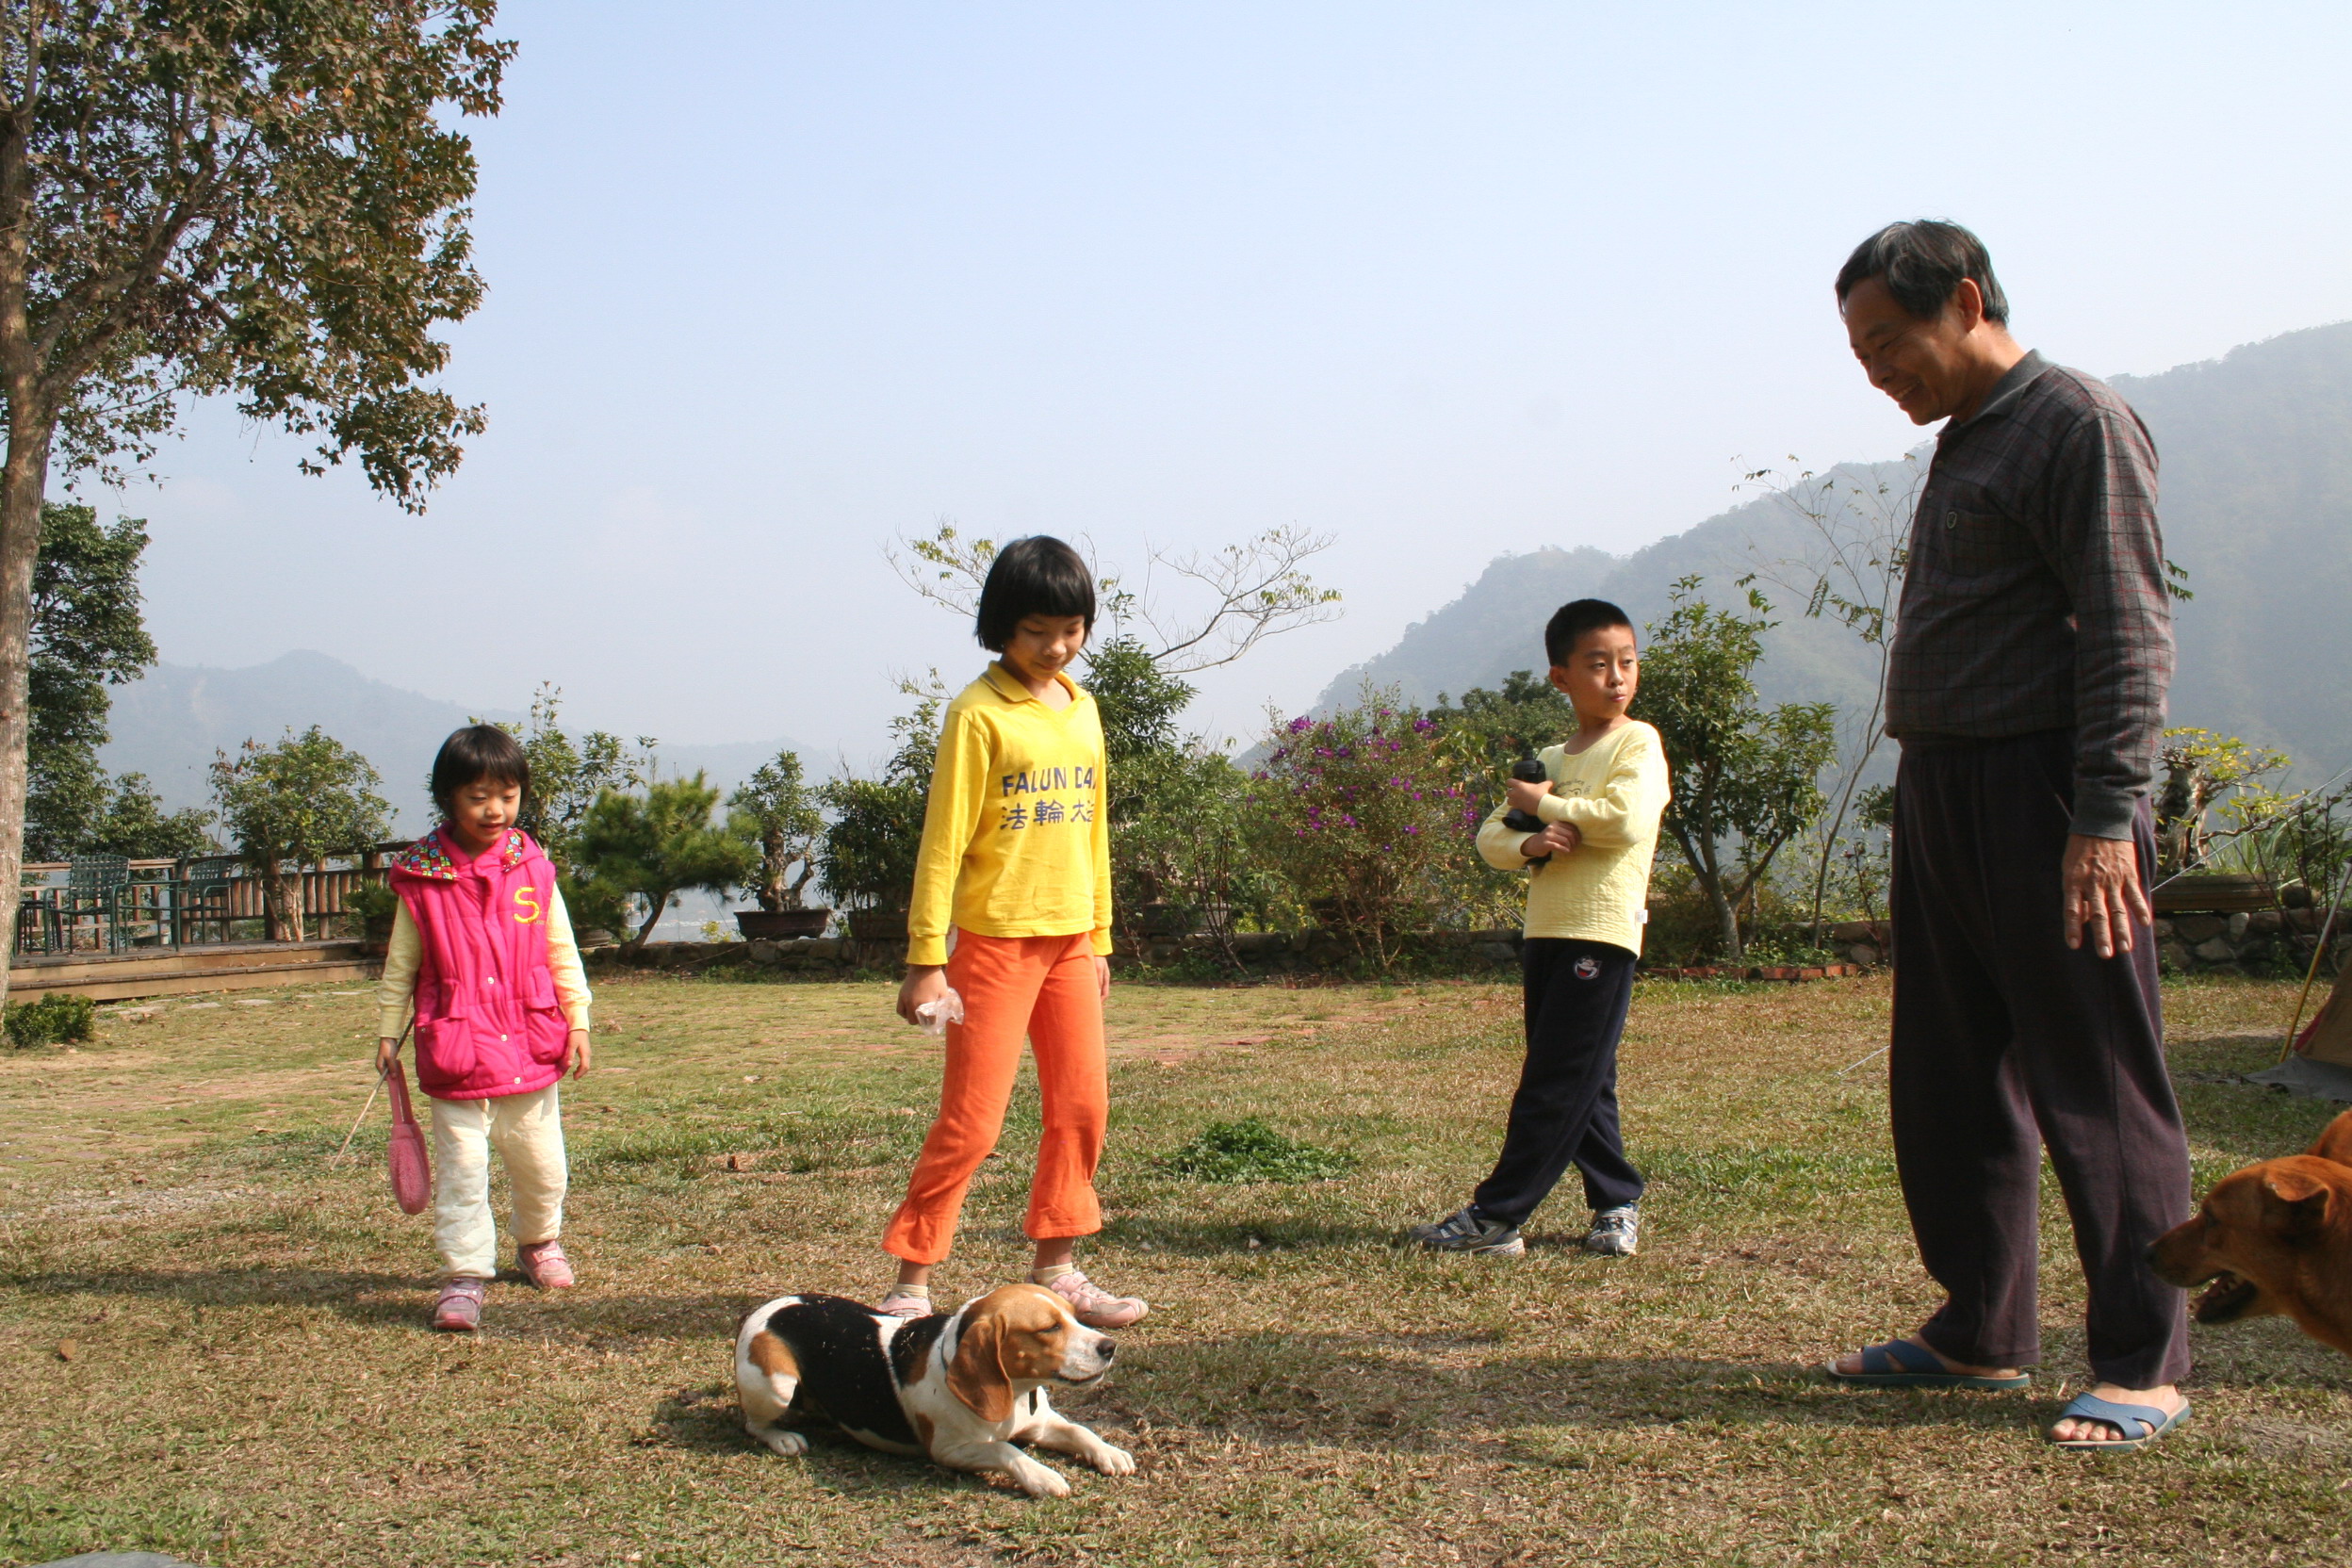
{"type": "Point", "coordinates": [770, 283]}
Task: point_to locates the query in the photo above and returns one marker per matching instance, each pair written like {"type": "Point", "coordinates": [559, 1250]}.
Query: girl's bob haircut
{"type": "Point", "coordinates": [1037, 575]}
{"type": "Point", "coordinates": [477, 752]}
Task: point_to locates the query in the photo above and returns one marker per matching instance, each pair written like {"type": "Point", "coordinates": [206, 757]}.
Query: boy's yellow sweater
{"type": "Point", "coordinates": [1613, 793]}
{"type": "Point", "coordinates": [1016, 842]}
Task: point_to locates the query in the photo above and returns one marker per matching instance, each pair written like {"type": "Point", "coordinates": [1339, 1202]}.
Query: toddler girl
{"type": "Point", "coordinates": [483, 951]}
{"type": "Point", "coordinates": [1016, 857]}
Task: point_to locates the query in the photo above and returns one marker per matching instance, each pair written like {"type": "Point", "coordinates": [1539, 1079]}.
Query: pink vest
{"type": "Point", "coordinates": [487, 1019]}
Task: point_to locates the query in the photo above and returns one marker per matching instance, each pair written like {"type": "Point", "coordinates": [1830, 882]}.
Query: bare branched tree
{"type": "Point", "coordinates": [1217, 607]}
{"type": "Point", "coordinates": [1858, 537]}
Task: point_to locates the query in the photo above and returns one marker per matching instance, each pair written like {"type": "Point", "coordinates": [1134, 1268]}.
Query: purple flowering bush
{"type": "Point", "coordinates": [1364, 817]}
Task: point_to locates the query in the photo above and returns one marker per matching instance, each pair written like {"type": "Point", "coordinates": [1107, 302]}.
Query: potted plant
{"type": "Point", "coordinates": [778, 809]}
{"type": "Point", "coordinates": [373, 905]}
{"type": "Point", "coordinates": [867, 859]}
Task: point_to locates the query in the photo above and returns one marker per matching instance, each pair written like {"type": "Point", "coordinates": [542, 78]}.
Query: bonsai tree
{"type": "Point", "coordinates": [778, 809]}
{"type": "Point", "coordinates": [653, 846]}
{"type": "Point", "coordinates": [302, 800]}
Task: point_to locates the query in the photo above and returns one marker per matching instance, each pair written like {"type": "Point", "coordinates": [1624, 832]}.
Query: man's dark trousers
{"type": "Point", "coordinates": [1565, 1110]}
{"type": "Point", "coordinates": [2001, 1030]}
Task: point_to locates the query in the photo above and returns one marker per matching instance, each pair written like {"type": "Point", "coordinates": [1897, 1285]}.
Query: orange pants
{"type": "Point", "coordinates": [1043, 987]}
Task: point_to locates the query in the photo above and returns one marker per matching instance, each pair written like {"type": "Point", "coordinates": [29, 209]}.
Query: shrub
{"type": "Point", "coordinates": [1234, 1153]}
{"type": "Point", "coordinates": [1366, 819]}
{"type": "Point", "coordinates": [58, 1018]}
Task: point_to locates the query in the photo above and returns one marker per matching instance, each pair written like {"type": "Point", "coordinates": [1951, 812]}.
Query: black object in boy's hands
{"type": "Point", "coordinates": [1527, 770]}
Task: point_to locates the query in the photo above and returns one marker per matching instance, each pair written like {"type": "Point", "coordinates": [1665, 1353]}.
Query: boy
{"type": "Point", "coordinates": [1589, 875]}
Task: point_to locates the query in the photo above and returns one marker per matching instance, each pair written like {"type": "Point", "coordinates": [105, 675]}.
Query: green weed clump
{"type": "Point", "coordinates": [58, 1018]}
{"type": "Point", "coordinates": [1234, 1153]}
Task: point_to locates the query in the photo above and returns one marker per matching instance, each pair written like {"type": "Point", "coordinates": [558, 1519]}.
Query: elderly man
{"type": "Point", "coordinates": [2027, 687]}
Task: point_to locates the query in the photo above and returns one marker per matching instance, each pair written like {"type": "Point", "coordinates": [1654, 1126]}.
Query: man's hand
{"type": "Point", "coordinates": [924, 983]}
{"type": "Point", "coordinates": [578, 1054]}
{"type": "Point", "coordinates": [1558, 838]}
{"type": "Point", "coordinates": [2102, 894]}
{"type": "Point", "coordinates": [1523, 794]}
{"type": "Point", "coordinates": [387, 1056]}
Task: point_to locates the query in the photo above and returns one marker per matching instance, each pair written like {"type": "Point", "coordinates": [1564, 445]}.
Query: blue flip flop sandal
{"type": "Point", "coordinates": [1899, 1364]}
{"type": "Point", "coordinates": [2090, 1407]}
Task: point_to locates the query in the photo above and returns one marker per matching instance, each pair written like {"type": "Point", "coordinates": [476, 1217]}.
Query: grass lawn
{"type": "Point", "coordinates": [212, 1339]}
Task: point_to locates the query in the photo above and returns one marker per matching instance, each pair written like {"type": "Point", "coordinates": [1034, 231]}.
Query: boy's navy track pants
{"type": "Point", "coordinates": [1565, 1110]}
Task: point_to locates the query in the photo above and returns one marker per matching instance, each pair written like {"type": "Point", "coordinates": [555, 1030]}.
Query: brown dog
{"type": "Point", "coordinates": [2273, 1240]}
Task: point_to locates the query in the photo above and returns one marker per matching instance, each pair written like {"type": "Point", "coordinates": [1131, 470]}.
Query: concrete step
{"type": "Point", "coordinates": [169, 972]}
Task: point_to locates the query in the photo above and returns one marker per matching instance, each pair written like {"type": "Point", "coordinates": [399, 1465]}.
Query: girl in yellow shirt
{"type": "Point", "coordinates": [1015, 865]}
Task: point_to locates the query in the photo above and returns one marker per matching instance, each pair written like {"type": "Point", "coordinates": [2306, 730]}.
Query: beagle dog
{"type": "Point", "coordinates": [960, 1388]}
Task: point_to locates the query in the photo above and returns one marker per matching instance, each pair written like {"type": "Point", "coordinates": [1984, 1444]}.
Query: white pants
{"type": "Point", "coordinates": [528, 1132]}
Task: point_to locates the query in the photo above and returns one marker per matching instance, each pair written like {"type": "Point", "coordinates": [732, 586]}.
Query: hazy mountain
{"type": "Point", "coordinates": [2257, 504]}
{"type": "Point", "coordinates": [170, 725]}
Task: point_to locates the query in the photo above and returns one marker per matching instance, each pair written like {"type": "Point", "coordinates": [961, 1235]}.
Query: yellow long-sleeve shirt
{"type": "Point", "coordinates": [1613, 793]}
{"type": "Point", "coordinates": [396, 991]}
{"type": "Point", "coordinates": [1016, 839]}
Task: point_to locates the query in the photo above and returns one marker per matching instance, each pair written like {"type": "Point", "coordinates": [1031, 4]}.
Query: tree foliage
{"type": "Point", "coordinates": [777, 807]}
{"type": "Point", "coordinates": [568, 776]}
{"type": "Point", "coordinates": [250, 198]}
{"type": "Point", "coordinates": [87, 635]}
{"type": "Point", "coordinates": [297, 802]}
{"type": "Point", "coordinates": [1746, 779]}
{"type": "Point", "coordinates": [647, 848]}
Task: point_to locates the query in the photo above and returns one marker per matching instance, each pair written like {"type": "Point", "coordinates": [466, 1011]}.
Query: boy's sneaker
{"type": "Point", "coordinates": [1094, 1306]}
{"type": "Point", "coordinates": [1466, 1231]}
{"type": "Point", "coordinates": [459, 1309]}
{"type": "Point", "coordinates": [543, 1264]}
{"type": "Point", "coordinates": [1616, 1233]}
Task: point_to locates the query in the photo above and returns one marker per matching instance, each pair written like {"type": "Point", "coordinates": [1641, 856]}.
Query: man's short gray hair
{"type": "Point", "coordinates": [1922, 262]}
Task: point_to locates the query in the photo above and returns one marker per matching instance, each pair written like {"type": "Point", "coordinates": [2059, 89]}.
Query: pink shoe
{"type": "Point", "coordinates": [543, 1264]}
{"type": "Point", "coordinates": [459, 1309]}
{"type": "Point", "coordinates": [1097, 1307]}
{"type": "Point", "coordinates": [900, 1304]}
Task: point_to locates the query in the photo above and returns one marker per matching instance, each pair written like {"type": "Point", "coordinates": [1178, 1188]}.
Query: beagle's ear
{"type": "Point", "coordinates": [2301, 1198]}
{"type": "Point", "coordinates": [976, 1375]}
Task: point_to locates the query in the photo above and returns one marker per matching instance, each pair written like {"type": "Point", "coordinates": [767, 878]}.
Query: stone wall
{"type": "Point", "coordinates": [2264, 941]}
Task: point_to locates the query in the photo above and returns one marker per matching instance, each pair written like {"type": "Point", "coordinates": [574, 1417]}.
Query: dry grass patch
{"type": "Point", "coordinates": [251, 1382]}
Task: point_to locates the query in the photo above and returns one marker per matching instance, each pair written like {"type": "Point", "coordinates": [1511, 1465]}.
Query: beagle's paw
{"type": "Point", "coordinates": [1112, 1460]}
{"type": "Point", "coordinates": [1039, 1481]}
{"type": "Point", "coordinates": [790, 1444]}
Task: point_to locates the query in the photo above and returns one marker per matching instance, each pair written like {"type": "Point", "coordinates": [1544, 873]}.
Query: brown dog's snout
{"type": "Point", "coordinates": [1106, 1347]}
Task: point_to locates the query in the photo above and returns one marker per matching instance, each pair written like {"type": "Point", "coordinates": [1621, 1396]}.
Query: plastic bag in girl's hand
{"type": "Point", "coordinates": [937, 1015]}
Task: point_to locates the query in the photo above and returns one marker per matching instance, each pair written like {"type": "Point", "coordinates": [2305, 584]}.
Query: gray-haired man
{"type": "Point", "coordinates": [2027, 685]}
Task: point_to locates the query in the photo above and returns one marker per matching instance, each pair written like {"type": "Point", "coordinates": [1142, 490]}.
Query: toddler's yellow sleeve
{"type": "Point", "coordinates": [396, 987]}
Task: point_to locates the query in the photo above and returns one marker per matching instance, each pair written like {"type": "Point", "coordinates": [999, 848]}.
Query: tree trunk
{"type": "Point", "coordinates": [281, 901]}
{"type": "Point", "coordinates": [22, 481]}
{"type": "Point", "coordinates": [653, 918]}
